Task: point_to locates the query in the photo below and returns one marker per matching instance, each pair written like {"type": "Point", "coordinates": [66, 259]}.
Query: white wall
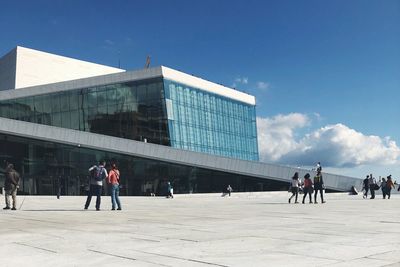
{"type": "Point", "coordinates": [36, 68]}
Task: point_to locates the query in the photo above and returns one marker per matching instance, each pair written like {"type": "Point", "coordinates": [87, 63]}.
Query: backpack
{"type": "Point", "coordinates": [98, 173]}
{"type": "Point", "coordinates": [316, 179]}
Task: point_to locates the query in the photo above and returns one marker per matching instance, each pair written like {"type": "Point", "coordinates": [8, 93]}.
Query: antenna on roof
{"type": "Point", "coordinates": [119, 59]}
{"type": "Point", "coordinates": [147, 65]}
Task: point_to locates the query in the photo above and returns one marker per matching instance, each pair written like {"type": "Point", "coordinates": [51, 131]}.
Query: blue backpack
{"type": "Point", "coordinates": [98, 173]}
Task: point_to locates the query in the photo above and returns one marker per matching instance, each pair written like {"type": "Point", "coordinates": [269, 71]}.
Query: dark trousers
{"type": "Point", "coordinates": [366, 192]}
{"type": "Point", "coordinates": [372, 190]}
{"type": "Point", "coordinates": [95, 190]}
{"type": "Point", "coordinates": [295, 193]}
{"type": "Point", "coordinates": [388, 192]}
{"type": "Point", "coordinates": [321, 193]}
{"type": "Point", "coordinates": [307, 191]}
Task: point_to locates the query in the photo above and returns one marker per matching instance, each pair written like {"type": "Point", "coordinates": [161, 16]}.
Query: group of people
{"type": "Point", "coordinates": [370, 184]}
{"type": "Point", "coordinates": [98, 173]}
{"type": "Point", "coordinates": [309, 187]}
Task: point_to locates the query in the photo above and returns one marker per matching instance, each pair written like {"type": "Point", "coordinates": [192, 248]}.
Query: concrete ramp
{"type": "Point", "coordinates": [167, 154]}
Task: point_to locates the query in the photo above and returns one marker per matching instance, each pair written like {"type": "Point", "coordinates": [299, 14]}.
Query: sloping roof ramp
{"type": "Point", "coordinates": [166, 154]}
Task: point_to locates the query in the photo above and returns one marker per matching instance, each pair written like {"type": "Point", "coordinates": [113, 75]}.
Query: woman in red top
{"type": "Point", "coordinates": [308, 187]}
{"type": "Point", "coordinates": [113, 180]}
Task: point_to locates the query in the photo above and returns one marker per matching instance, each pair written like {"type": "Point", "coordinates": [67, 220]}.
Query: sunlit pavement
{"type": "Point", "coordinates": [209, 230]}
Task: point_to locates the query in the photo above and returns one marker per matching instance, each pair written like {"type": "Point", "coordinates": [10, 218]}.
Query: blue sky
{"type": "Point", "coordinates": [326, 74]}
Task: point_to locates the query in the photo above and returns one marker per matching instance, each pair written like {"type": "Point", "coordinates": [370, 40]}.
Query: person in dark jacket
{"type": "Point", "coordinates": [366, 186]}
{"type": "Point", "coordinates": [11, 185]}
{"type": "Point", "coordinates": [318, 186]}
{"type": "Point", "coordinates": [98, 174]}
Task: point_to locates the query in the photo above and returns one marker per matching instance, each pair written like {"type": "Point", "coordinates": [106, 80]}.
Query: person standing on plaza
{"type": "Point", "coordinates": [308, 187]}
{"type": "Point", "coordinates": [295, 187]}
{"type": "Point", "coordinates": [389, 185]}
{"type": "Point", "coordinates": [229, 189]}
{"type": "Point", "coordinates": [319, 167]}
{"type": "Point", "coordinates": [170, 190]}
{"type": "Point", "coordinates": [366, 186]}
{"type": "Point", "coordinates": [318, 186]}
{"type": "Point", "coordinates": [372, 185]}
{"type": "Point", "coordinates": [113, 180]}
{"type": "Point", "coordinates": [97, 175]}
{"type": "Point", "coordinates": [383, 188]}
{"type": "Point", "coordinates": [11, 185]}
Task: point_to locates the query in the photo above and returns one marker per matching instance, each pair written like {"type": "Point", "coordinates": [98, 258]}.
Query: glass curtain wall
{"type": "Point", "coordinates": [205, 122]}
{"type": "Point", "coordinates": [133, 110]}
{"type": "Point", "coordinates": [46, 166]}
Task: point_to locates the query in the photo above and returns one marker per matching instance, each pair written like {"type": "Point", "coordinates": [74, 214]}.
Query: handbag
{"type": "Point", "coordinates": [376, 187]}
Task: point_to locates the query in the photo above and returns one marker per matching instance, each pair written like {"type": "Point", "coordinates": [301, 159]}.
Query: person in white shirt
{"type": "Point", "coordinates": [372, 184]}
{"type": "Point", "coordinates": [295, 187]}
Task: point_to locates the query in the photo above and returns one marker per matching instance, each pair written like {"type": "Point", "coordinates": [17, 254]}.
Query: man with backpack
{"type": "Point", "coordinates": [11, 185]}
{"type": "Point", "coordinates": [97, 175]}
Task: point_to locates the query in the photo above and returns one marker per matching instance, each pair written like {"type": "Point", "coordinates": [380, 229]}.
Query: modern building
{"type": "Point", "coordinates": [58, 116]}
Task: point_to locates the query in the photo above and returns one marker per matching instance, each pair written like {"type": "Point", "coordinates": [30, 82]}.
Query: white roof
{"type": "Point", "coordinates": [33, 67]}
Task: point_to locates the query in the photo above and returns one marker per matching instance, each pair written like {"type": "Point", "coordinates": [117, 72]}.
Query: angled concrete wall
{"type": "Point", "coordinates": [8, 66]}
{"type": "Point", "coordinates": [167, 154]}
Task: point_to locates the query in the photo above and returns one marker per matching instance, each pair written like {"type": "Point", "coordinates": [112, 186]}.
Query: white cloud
{"type": "Point", "coordinates": [263, 85]}
{"type": "Point", "coordinates": [276, 135]}
{"type": "Point", "coordinates": [239, 81]}
{"type": "Point", "coordinates": [109, 42]}
{"type": "Point", "coordinates": [243, 80]}
{"type": "Point", "coordinates": [334, 145]}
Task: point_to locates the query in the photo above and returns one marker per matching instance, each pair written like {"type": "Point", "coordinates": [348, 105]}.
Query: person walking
{"type": "Point", "coordinates": [389, 185]}
{"type": "Point", "coordinates": [372, 185]}
{"type": "Point", "coordinates": [383, 187]}
{"type": "Point", "coordinates": [318, 167]}
{"type": "Point", "coordinates": [113, 180]}
{"type": "Point", "coordinates": [97, 175]}
{"type": "Point", "coordinates": [11, 185]}
{"type": "Point", "coordinates": [59, 187]}
{"type": "Point", "coordinates": [295, 187]}
{"type": "Point", "coordinates": [308, 187]}
{"type": "Point", "coordinates": [318, 186]}
{"type": "Point", "coordinates": [366, 186]}
{"type": "Point", "coordinates": [229, 189]}
{"type": "Point", "coordinates": [170, 192]}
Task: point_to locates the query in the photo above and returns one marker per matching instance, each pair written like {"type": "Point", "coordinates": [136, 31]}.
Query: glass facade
{"type": "Point", "coordinates": [206, 122]}
{"type": "Point", "coordinates": [160, 111]}
{"type": "Point", "coordinates": [133, 110]}
{"type": "Point", "coordinates": [44, 166]}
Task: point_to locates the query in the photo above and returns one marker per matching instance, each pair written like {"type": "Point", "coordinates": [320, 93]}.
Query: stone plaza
{"type": "Point", "coordinates": [246, 229]}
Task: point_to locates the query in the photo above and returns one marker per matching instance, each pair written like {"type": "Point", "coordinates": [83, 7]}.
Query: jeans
{"type": "Point", "coordinates": [115, 196]}
{"type": "Point", "coordinates": [95, 190]}
{"type": "Point", "coordinates": [372, 190]}
{"type": "Point", "coordinates": [309, 192]}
